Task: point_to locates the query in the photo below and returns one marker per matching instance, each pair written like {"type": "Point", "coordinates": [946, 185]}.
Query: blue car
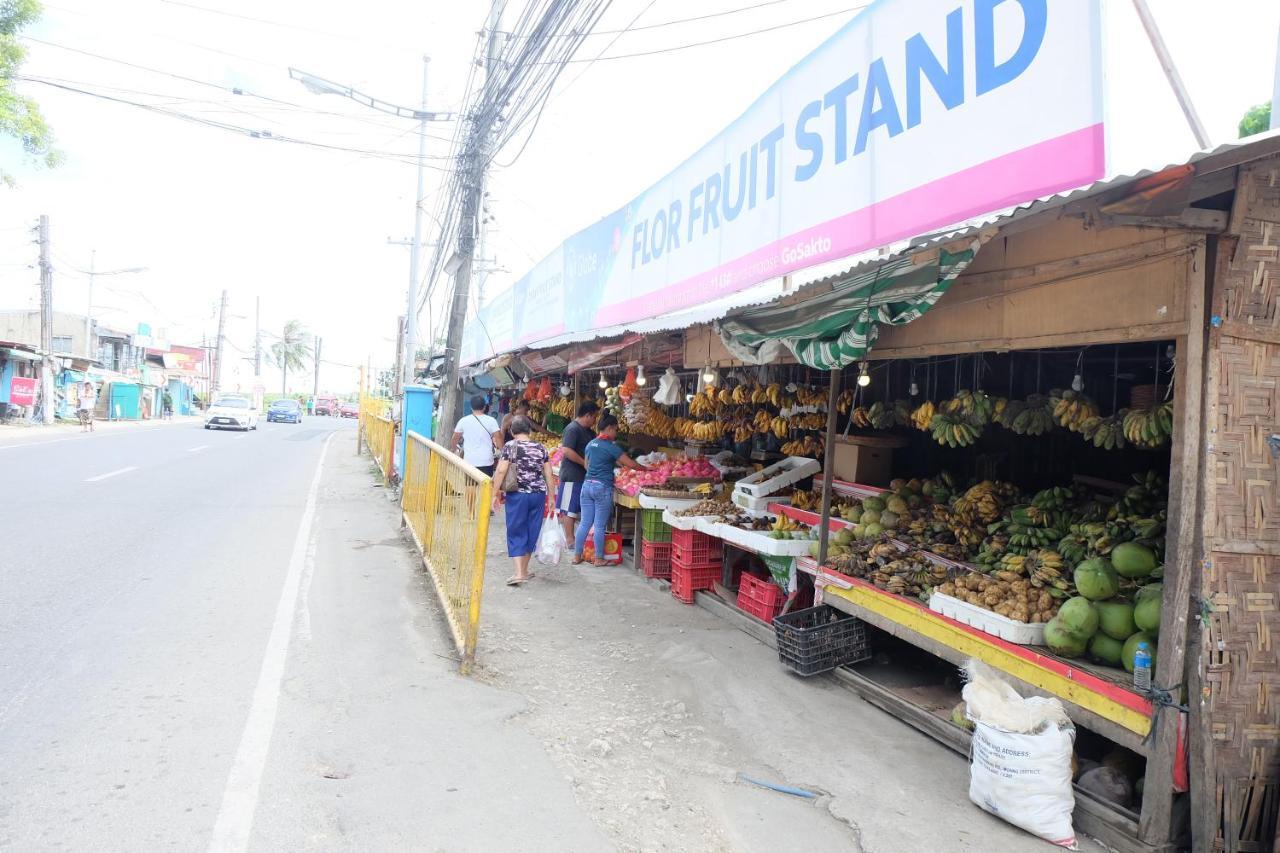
{"type": "Point", "coordinates": [285, 411]}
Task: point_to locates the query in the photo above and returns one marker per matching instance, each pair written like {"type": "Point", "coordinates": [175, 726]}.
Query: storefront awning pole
{"type": "Point", "coordinates": [828, 465]}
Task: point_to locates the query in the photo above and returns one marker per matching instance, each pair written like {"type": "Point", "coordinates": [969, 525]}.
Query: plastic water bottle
{"type": "Point", "coordinates": [1142, 667]}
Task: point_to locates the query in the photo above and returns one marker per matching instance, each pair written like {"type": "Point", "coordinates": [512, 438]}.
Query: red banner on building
{"type": "Point", "coordinates": [22, 391]}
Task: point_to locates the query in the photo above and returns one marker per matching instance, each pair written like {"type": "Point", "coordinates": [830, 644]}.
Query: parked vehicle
{"type": "Point", "coordinates": [231, 413]}
{"type": "Point", "coordinates": [326, 405]}
{"type": "Point", "coordinates": [285, 411]}
{"type": "Point", "coordinates": [348, 410]}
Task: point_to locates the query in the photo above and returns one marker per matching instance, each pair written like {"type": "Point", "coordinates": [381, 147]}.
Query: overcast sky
{"type": "Point", "coordinates": [306, 228]}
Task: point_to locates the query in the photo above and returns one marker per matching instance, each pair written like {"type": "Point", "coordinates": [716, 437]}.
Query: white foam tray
{"type": "Point", "coordinates": [754, 540]}
{"type": "Point", "coordinates": [780, 474]}
{"type": "Point", "coordinates": [648, 502]}
{"type": "Point", "coordinates": [754, 504]}
{"type": "Point", "coordinates": [689, 522]}
{"type": "Point", "coordinates": [1022, 633]}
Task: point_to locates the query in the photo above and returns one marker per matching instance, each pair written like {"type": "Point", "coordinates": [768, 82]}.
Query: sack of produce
{"type": "Point", "coordinates": [1020, 765]}
{"type": "Point", "coordinates": [551, 542]}
{"type": "Point", "coordinates": [669, 393]}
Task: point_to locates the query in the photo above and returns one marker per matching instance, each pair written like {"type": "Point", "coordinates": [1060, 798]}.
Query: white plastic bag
{"type": "Point", "coordinates": [1020, 768]}
{"type": "Point", "coordinates": [551, 542]}
{"type": "Point", "coordinates": [669, 393]}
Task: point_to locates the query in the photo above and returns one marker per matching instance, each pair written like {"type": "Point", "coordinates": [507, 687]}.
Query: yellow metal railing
{"type": "Point", "coordinates": [380, 438]}
{"type": "Point", "coordinates": [446, 506]}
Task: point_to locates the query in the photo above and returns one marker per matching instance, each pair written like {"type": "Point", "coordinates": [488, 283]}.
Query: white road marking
{"type": "Point", "coordinates": [197, 448]}
{"type": "Point", "coordinates": [112, 474]}
{"type": "Point", "coordinates": [35, 443]}
{"type": "Point", "coordinates": [240, 797]}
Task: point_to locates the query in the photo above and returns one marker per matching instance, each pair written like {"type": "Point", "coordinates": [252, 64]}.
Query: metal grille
{"type": "Point", "coordinates": [446, 506]}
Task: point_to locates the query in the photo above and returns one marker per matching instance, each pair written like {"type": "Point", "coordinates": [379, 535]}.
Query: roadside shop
{"type": "Point", "coordinates": [991, 422]}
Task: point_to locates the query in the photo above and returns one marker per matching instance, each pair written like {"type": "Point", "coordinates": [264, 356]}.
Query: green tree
{"type": "Point", "coordinates": [1256, 120]}
{"type": "Point", "coordinates": [20, 116]}
{"type": "Point", "coordinates": [291, 351]}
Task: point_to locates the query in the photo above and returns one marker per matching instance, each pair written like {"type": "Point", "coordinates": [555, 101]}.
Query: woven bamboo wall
{"type": "Point", "coordinates": [1241, 577]}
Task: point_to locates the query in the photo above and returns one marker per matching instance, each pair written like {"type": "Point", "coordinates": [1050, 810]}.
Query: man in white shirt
{"type": "Point", "coordinates": [480, 437]}
{"type": "Point", "coordinates": [84, 410]}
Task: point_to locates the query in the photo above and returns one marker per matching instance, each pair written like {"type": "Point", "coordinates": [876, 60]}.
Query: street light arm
{"type": "Point", "coordinates": [321, 86]}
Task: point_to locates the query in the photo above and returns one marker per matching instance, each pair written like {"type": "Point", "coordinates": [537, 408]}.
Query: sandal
{"type": "Point", "coordinates": [578, 559]}
{"type": "Point", "coordinates": [598, 562]}
{"type": "Point", "coordinates": [515, 581]}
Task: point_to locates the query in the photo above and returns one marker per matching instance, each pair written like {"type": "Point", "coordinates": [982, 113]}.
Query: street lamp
{"type": "Point", "coordinates": [320, 86]}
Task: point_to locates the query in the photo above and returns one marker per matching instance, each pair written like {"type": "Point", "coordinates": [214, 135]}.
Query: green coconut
{"type": "Point", "coordinates": [1146, 611]}
{"type": "Point", "coordinates": [1115, 619]}
{"type": "Point", "coordinates": [896, 483]}
{"type": "Point", "coordinates": [859, 531]}
{"type": "Point", "coordinates": [873, 530]}
{"type": "Point", "coordinates": [870, 516]}
{"type": "Point", "coordinates": [1062, 641]}
{"type": "Point", "coordinates": [1132, 560]}
{"type": "Point", "coordinates": [874, 504]}
{"type": "Point", "coordinates": [896, 505]}
{"type": "Point", "coordinates": [814, 549]}
{"type": "Point", "coordinates": [888, 520]}
{"type": "Point", "coordinates": [1131, 647]}
{"type": "Point", "coordinates": [843, 536]}
{"type": "Point", "coordinates": [1096, 579]}
{"type": "Point", "coordinates": [1106, 649]}
{"type": "Point", "coordinates": [1078, 616]}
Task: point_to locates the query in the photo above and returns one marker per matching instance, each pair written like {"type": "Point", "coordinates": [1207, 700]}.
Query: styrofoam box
{"type": "Point", "coordinates": [754, 504]}
{"type": "Point", "coordinates": [1022, 633]}
{"type": "Point", "coordinates": [686, 522]}
{"type": "Point", "coordinates": [648, 502]}
{"type": "Point", "coordinates": [780, 474]}
{"type": "Point", "coordinates": [754, 540]}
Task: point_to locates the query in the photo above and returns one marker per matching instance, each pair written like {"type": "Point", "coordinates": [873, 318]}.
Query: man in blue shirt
{"type": "Point", "coordinates": [602, 454]}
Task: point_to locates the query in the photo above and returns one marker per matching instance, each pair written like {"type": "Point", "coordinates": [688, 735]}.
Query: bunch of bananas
{"type": "Point", "coordinates": [807, 446]}
{"type": "Point", "coordinates": [1071, 409]}
{"type": "Point", "coordinates": [761, 422]}
{"type": "Point", "coordinates": [860, 418]}
{"type": "Point", "coordinates": [1044, 568]}
{"type": "Point", "coordinates": [562, 406]}
{"type": "Point", "coordinates": [704, 402]}
{"type": "Point", "coordinates": [780, 427]}
{"type": "Point", "coordinates": [1149, 427]}
{"type": "Point", "coordinates": [1006, 411]}
{"type": "Point", "coordinates": [972, 407]}
{"type": "Point", "coordinates": [740, 395]}
{"type": "Point", "coordinates": [923, 415]}
{"type": "Point", "coordinates": [771, 394]}
{"type": "Point", "coordinates": [952, 431]}
{"type": "Point", "coordinates": [648, 419]}
{"type": "Point", "coordinates": [1107, 433]}
{"type": "Point", "coordinates": [1036, 418]}
{"type": "Point", "coordinates": [902, 413]}
{"type": "Point", "coordinates": [691, 430]}
{"type": "Point", "coordinates": [880, 416]}
{"type": "Point", "coordinates": [810, 421]}
{"type": "Point", "coordinates": [743, 434]}
{"type": "Point", "coordinates": [811, 397]}
{"type": "Point", "coordinates": [845, 401]}
{"type": "Point", "coordinates": [782, 524]}
{"type": "Point", "coordinates": [984, 502]}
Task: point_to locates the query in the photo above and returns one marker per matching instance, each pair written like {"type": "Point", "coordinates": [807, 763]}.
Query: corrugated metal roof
{"type": "Point", "coordinates": [1223, 156]}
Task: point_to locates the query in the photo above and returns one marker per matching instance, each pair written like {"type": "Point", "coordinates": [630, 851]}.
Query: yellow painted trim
{"type": "Point", "coordinates": [924, 622]}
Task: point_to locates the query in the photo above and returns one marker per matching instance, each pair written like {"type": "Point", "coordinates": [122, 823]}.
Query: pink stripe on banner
{"type": "Point", "coordinates": [1066, 162]}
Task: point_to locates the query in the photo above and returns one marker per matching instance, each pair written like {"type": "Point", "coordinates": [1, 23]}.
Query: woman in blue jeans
{"type": "Point", "coordinates": [601, 455]}
{"type": "Point", "coordinates": [532, 498]}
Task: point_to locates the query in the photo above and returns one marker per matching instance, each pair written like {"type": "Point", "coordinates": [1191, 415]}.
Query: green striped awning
{"type": "Point", "coordinates": [839, 326]}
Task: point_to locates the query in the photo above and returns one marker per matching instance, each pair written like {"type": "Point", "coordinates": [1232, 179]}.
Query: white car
{"type": "Point", "coordinates": [231, 413]}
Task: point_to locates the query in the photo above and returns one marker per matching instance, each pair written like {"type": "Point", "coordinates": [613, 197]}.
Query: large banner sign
{"type": "Point", "coordinates": [916, 115]}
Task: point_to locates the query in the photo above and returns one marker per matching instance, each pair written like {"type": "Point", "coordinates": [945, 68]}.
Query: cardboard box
{"type": "Point", "coordinates": [866, 461]}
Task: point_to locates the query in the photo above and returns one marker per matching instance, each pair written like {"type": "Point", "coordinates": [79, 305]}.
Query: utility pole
{"type": "Point", "coordinates": [1171, 72]}
{"type": "Point", "coordinates": [257, 338]}
{"type": "Point", "coordinates": [473, 183]}
{"type": "Point", "coordinates": [401, 331]}
{"type": "Point", "coordinates": [315, 385]}
{"type": "Point", "coordinates": [88, 308]}
{"type": "Point", "coordinates": [46, 324]}
{"type": "Point", "coordinates": [216, 381]}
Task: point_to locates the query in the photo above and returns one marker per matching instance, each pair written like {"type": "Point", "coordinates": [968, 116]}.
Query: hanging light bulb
{"type": "Point", "coordinates": [915, 389]}
{"type": "Point", "coordinates": [1077, 383]}
{"type": "Point", "coordinates": [709, 374]}
{"type": "Point", "coordinates": [864, 376]}
{"type": "Point", "coordinates": [640, 380]}
{"type": "Point", "coordinates": [603, 383]}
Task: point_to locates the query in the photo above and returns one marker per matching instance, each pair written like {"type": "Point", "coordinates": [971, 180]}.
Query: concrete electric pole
{"type": "Point", "coordinates": [46, 324]}
{"type": "Point", "coordinates": [315, 385]}
{"type": "Point", "coordinates": [473, 182]}
{"type": "Point", "coordinates": [257, 339]}
{"type": "Point", "coordinates": [218, 344]}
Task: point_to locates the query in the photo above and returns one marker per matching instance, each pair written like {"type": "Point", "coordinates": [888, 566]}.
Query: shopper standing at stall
{"type": "Point", "coordinates": [479, 436]}
{"type": "Point", "coordinates": [531, 498]}
{"type": "Point", "coordinates": [573, 467]}
{"type": "Point", "coordinates": [601, 455]}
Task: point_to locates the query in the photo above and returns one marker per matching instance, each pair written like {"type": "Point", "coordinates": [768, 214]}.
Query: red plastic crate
{"type": "Point", "coordinates": [695, 549]}
{"type": "Point", "coordinates": [686, 580]}
{"type": "Point", "coordinates": [761, 598]}
{"type": "Point", "coordinates": [655, 559]}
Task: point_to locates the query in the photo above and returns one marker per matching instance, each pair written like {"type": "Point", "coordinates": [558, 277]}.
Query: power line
{"type": "Point", "coordinates": [283, 25]}
{"type": "Point", "coordinates": [679, 47]}
{"type": "Point", "coordinates": [630, 28]}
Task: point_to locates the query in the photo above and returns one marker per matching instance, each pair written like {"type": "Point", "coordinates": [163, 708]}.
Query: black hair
{"type": "Point", "coordinates": [587, 408]}
{"type": "Point", "coordinates": [477, 403]}
{"type": "Point", "coordinates": [606, 421]}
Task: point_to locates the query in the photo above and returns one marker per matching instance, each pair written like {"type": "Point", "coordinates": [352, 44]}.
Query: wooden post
{"type": "Point", "coordinates": [828, 465]}
{"type": "Point", "coordinates": [1180, 553]}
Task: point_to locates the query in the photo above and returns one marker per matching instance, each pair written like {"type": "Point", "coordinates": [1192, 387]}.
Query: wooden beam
{"type": "Point", "coordinates": [1181, 555]}
{"type": "Point", "coordinates": [1213, 183]}
{"type": "Point", "coordinates": [1147, 251]}
{"type": "Point", "coordinates": [1191, 219]}
{"type": "Point", "coordinates": [1128, 334]}
{"type": "Point", "coordinates": [828, 465]}
{"type": "Point", "coordinates": [1250, 332]}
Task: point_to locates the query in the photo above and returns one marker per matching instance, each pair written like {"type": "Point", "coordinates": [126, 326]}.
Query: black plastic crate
{"type": "Point", "coordinates": [819, 639]}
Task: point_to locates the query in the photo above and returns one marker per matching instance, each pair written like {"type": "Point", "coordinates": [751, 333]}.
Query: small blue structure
{"type": "Point", "coordinates": [419, 414]}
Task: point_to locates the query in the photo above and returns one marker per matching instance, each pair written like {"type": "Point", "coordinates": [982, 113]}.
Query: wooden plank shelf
{"type": "Point", "coordinates": [1094, 699]}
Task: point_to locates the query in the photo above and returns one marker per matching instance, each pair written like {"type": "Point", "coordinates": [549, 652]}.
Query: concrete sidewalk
{"type": "Point", "coordinates": [652, 708]}
{"type": "Point", "coordinates": [26, 431]}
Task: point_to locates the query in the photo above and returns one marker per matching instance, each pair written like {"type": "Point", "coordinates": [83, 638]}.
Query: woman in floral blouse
{"type": "Point", "coordinates": [532, 498]}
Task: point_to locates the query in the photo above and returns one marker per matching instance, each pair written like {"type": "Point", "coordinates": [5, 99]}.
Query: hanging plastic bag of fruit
{"type": "Point", "coordinates": [1020, 763]}
{"type": "Point", "coordinates": [669, 393]}
{"type": "Point", "coordinates": [629, 386]}
{"type": "Point", "coordinates": [551, 542]}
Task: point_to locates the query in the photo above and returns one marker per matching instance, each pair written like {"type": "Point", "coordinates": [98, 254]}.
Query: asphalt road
{"type": "Point", "coordinates": [218, 641]}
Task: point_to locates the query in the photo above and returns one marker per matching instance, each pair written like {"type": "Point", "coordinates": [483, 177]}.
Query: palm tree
{"type": "Point", "coordinates": [291, 351]}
